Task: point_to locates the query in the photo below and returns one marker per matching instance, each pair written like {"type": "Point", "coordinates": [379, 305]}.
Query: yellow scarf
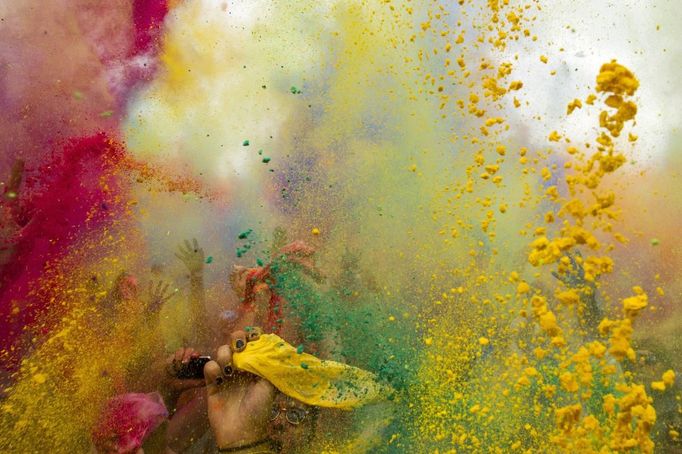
{"type": "Point", "coordinates": [307, 378]}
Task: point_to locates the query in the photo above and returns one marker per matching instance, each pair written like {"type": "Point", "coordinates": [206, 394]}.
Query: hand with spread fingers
{"type": "Point", "coordinates": [192, 256]}
{"type": "Point", "coordinates": [574, 277]}
{"type": "Point", "coordinates": [239, 404]}
{"type": "Point", "coordinates": [158, 295]}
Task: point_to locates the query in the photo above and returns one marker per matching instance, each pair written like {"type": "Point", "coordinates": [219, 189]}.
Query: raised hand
{"type": "Point", "coordinates": [302, 254]}
{"type": "Point", "coordinates": [239, 404]}
{"type": "Point", "coordinates": [192, 256]}
{"type": "Point", "coordinates": [575, 276]}
{"type": "Point", "coordinates": [298, 249]}
{"type": "Point", "coordinates": [158, 295]}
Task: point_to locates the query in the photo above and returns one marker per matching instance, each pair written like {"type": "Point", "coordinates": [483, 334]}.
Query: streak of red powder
{"type": "Point", "coordinates": [74, 194]}
{"type": "Point", "coordinates": [148, 16]}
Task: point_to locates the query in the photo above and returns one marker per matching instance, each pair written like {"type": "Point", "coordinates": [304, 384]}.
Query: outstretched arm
{"type": "Point", "coordinates": [158, 295]}
{"type": "Point", "coordinates": [193, 257]}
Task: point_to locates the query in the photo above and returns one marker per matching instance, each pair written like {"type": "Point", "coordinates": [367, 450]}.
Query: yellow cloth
{"type": "Point", "coordinates": [307, 378]}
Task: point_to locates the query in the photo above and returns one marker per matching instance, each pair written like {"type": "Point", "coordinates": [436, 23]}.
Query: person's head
{"type": "Point", "coordinates": [122, 293]}
{"type": "Point", "coordinates": [126, 287]}
{"type": "Point", "coordinates": [157, 270]}
{"type": "Point", "coordinates": [126, 421]}
{"type": "Point", "coordinates": [292, 424]}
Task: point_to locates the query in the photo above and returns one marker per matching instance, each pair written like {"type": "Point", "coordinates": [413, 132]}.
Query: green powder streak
{"type": "Point", "coordinates": [365, 336]}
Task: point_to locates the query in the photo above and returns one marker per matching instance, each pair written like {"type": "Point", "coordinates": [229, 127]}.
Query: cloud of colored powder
{"type": "Point", "coordinates": [424, 149]}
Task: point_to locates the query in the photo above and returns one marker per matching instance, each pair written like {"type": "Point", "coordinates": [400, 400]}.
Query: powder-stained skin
{"type": "Point", "coordinates": [365, 176]}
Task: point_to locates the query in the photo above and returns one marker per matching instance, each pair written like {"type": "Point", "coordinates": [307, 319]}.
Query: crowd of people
{"type": "Point", "coordinates": [196, 400]}
{"type": "Point", "coordinates": [193, 400]}
{"type": "Point", "coordinates": [228, 410]}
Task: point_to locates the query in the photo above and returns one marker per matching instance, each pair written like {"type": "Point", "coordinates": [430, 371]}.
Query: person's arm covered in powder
{"type": "Point", "coordinates": [193, 257]}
